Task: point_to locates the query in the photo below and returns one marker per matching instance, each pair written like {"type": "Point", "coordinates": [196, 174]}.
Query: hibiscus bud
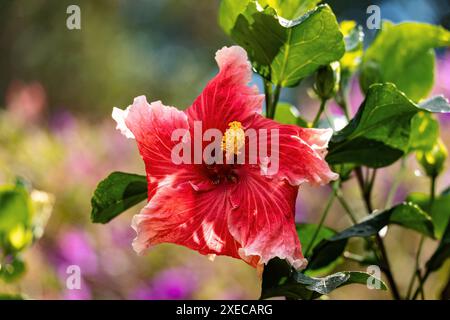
{"type": "Point", "coordinates": [327, 80]}
{"type": "Point", "coordinates": [432, 161]}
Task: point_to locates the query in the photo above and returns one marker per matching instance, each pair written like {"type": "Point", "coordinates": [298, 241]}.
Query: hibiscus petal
{"type": "Point", "coordinates": [301, 152]}
{"type": "Point", "coordinates": [227, 97]}
{"type": "Point", "coordinates": [182, 215]}
{"type": "Point", "coordinates": [262, 219]}
{"type": "Point", "coordinates": [152, 126]}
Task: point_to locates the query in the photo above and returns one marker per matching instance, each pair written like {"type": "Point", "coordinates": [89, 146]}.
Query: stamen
{"type": "Point", "coordinates": [234, 138]}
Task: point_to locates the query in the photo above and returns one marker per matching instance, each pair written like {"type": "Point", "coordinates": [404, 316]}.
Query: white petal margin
{"type": "Point", "coordinates": [119, 116]}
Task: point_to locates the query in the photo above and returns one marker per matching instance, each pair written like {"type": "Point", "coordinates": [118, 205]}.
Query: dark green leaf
{"type": "Point", "coordinates": [403, 54]}
{"type": "Point", "coordinates": [280, 280]}
{"type": "Point", "coordinates": [442, 253]}
{"type": "Point", "coordinates": [117, 193]}
{"type": "Point", "coordinates": [284, 52]}
{"type": "Point", "coordinates": [407, 215]}
{"type": "Point", "coordinates": [380, 133]}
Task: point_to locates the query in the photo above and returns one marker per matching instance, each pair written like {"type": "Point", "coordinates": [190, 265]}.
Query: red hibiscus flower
{"type": "Point", "coordinates": [238, 210]}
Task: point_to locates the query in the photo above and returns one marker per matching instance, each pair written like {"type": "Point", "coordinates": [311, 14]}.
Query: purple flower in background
{"type": "Point", "coordinates": [442, 82]}
{"type": "Point", "coordinates": [174, 284]}
{"type": "Point", "coordinates": [74, 248]}
{"type": "Point", "coordinates": [84, 293]}
{"type": "Point", "coordinates": [62, 121]}
{"type": "Point", "coordinates": [355, 98]}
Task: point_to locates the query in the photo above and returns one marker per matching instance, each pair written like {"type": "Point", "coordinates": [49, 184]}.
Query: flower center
{"type": "Point", "coordinates": [234, 138]}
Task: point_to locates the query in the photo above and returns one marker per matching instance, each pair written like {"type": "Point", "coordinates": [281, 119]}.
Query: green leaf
{"type": "Point", "coordinates": [306, 233]}
{"type": "Point", "coordinates": [407, 215]}
{"type": "Point", "coordinates": [280, 280]}
{"type": "Point", "coordinates": [15, 208]}
{"type": "Point", "coordinates": [5, 296]}
{"type": "Point", "coordinates": [117, 193]}
{"type": "Point", "coordinates": [403, 54]}
{"type": "Point", "coordinates": [327, 284]}
{"type": "Point", "coordinates": [284, 52]}
{"type": "Point", "coordinates": [440, 211]}
{"type": "Point", "coordinates": [11, 271]}
{"type": "Point", "coordinates": [286, 113]}
{"type": "Point", "coordinates": [424, 132]}
{"type": "Point", "coordinates": [229, 11]}
{"type": "Point", "coordinates": [290, 9]}
{"type": "Point", "coordinates": [380, 133]}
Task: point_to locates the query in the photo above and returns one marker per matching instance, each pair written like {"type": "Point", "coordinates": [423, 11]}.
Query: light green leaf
{"type": "Point", "coordinates": [285, 52]}
{"type": "Point", "coordinates": [290, 9]}
{"type": "Point", "coordinates": [403, 54]}
{"type": "Point", "coordinates": [424, 131]}
{"type": "Point", "coordinates": [117, 193]}
{"type": "Point", "coordinates": [229, 10]}
{"type": "Point", "coordinates": [15, 208]}
{"type": "Point", "coordinates": [286, 113]}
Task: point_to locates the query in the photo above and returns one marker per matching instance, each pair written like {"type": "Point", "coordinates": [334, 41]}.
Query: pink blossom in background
{"type": "Point", "coordinates": [26, 102]}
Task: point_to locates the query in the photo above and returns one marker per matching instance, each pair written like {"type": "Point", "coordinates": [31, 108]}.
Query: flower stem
{"type": "Point", "coordinates": [323, 103]}
{"type": "Point", "coordinates": [272, 97]}
{"type": "Point", "coordinates": [346, 207]}
{"type": "Point", "coordinates": [323, 217]}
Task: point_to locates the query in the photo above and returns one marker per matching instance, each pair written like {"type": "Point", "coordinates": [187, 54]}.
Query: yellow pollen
{"type": "Point", "coordinates": [234, 138]}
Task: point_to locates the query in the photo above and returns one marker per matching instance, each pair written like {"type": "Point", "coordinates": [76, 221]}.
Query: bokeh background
{"type": "Point", "coordinates": [57, 90]}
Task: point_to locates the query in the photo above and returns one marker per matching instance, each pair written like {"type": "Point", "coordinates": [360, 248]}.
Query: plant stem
{"type": "Point", "coordinates": [421, 282]}
{"type": "Point", "coordinates": [366, 190]}
{"type": "Point", "coordinates": [276, 97]}
{"type": "Point", "coordinates": [346, 207]}
{"type": "Point", "coordinates": [395, 184]}
{"type": "Point", "coordinates": [323, 217]}
{"type": "Point", "coordinates": [268, 96]}
{"type": "Point", "coordinates": [323, 103]}
{"type": "Point", "coordinates": [416, 267]}
{"type": "Point", "coordinates": [417, 271]}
